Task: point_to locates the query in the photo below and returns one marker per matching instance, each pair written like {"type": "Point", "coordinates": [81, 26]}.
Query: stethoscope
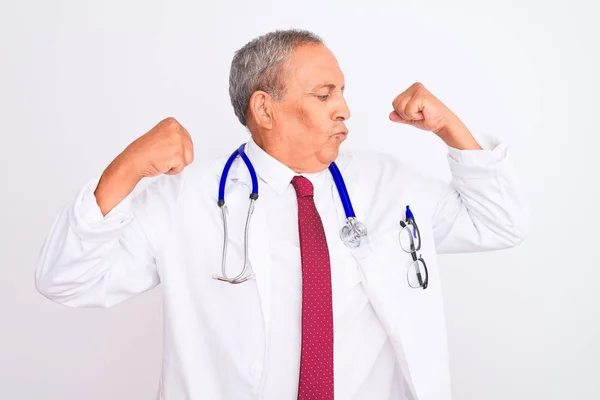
{"type": "Point", "coordinates": [351, 233]}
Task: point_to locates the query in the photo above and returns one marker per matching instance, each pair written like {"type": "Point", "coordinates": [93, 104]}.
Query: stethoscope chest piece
{"type": "Point", "coordinates": [353, 232]}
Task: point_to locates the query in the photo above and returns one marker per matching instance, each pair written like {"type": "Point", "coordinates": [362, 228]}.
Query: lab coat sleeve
{"type": "Point", "coordinates": [483, 207]}
{"type": "Point", "coordinates": [90, 260]}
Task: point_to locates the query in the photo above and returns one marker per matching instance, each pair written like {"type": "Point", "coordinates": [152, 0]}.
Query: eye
{"type": "Point", "coordinates": [323, 97]}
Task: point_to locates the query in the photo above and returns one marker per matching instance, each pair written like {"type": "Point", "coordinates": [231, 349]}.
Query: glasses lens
{"type": "Point", "coordinates": [406, 234]}
{"type": "Point", "coordinates": [417, 274]}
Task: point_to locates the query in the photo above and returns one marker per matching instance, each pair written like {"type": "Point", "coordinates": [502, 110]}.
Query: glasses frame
{"type": "Point", "coordinates": [413, 252]}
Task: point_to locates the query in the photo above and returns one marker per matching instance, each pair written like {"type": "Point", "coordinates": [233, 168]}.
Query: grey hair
{"type": "Point", "coordinates": [258, 66]}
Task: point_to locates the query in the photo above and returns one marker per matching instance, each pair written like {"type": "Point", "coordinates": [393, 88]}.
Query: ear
{"type": "Point", "coordinates": [261, 109]}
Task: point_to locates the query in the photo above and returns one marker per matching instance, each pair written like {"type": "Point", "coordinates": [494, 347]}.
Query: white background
{"type": "Point", "coordinates": [79, 80]}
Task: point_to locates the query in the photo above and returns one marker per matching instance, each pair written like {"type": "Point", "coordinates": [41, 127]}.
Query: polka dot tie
{"type": "Point", "coordinates": [316, 358]}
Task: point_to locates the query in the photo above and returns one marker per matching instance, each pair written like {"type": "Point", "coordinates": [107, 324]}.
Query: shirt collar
{"type": "Point", "coordinates": [273, 172]}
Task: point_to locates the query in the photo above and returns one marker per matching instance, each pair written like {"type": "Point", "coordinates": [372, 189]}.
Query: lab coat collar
{"type": "Point", "coordinates": [273, 172]}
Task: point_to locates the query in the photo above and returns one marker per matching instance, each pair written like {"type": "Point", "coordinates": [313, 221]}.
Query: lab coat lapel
{"type": "Point", "coordinates": [260, 257]}
{"type": "Point", "coordinates": [259, 247]}
{"type": "Point", "coordinates": [382, 287]}
{"type": "Point", "coordinates": [385, 294]}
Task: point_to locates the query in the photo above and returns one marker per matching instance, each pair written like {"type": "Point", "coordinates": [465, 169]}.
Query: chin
{"type": "Point", "coordinates": [328, 155]}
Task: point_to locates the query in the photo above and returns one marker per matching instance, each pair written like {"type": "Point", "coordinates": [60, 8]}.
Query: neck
{"type": "Point", "coordinates": [289, 156]}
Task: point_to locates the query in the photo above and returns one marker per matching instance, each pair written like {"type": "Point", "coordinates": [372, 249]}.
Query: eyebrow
{"type": "Point", "coordinates": [329, 86]}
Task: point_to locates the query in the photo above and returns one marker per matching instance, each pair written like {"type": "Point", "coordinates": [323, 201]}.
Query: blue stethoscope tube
{"type": "Point", "coordinates": [343, 192]}
{"type": "Point", "coordinates": [239, 151]}
{"type": "Point", "coordinates": [351, 233]}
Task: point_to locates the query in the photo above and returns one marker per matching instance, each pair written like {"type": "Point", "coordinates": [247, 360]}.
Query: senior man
{"type": "Point", "coordinates": [327, 285]}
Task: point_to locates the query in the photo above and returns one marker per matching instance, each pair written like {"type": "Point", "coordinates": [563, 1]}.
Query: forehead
{"type": "Point", "coordinates": [312, 65]}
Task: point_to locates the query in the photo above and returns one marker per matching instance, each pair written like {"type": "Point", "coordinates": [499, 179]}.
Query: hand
{"type": "Point", "coordinates": [166, 149]}
{"type": "Point", "coordinates": [418, 107]}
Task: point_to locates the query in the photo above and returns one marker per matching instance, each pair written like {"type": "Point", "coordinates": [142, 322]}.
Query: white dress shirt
{"type": "Point", "coordinates": [364, 362]}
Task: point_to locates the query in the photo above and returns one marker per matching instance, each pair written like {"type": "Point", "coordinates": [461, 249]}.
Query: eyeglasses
{"type": "Point", "coordinates": [410, 242]}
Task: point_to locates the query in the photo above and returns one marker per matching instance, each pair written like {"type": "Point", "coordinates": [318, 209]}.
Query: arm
{"type": "Point", "coordinates": [101, 249]}
{"type": "Point", "coordinates": [91, 260]}
{"type": "Point", "coordinates": [483, 207]}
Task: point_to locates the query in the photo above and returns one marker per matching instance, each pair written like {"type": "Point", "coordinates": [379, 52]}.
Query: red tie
{"type": "Point", "coordinates": [316, 359]}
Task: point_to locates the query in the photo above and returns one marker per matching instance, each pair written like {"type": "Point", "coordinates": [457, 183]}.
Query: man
{"type": "Point", "coordinates": [315, 318]}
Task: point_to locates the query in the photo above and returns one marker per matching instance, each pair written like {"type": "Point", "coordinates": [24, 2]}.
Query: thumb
{"type": "Point", "coordinates": [395, 117]}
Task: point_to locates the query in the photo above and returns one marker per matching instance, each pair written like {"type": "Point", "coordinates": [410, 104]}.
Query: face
{"type": "Point", "coordinates": [307, 124]}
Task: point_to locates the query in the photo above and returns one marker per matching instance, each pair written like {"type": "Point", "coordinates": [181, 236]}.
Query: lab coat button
{"type": "Point", "coordinates": [256, 369]}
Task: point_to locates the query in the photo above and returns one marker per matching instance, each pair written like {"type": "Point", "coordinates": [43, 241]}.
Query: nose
{"type": "Point", "coordinates": [342, 111]}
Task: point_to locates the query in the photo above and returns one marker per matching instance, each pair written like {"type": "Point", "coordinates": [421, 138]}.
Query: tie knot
{"type": "Point", "coordinates": [303, 186]}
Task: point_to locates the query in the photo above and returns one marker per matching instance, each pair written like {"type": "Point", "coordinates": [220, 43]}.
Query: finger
{"type": "Point", "coordinates": [413, 109]}
{"type": "Point", "coordinates": [184, 133]}
{"type": "Point", "coordinates": [395, 117]}
{"type": "Point", "coordinates": [400, 105]}
{"type": "Point", "coordinates": [184, 155]}
{"type": "Point", "coordinates": [188, 145]}
{"type": "Point", "coordinates": [188, 152]}
{"type": "Point", "coordinates": [177, 162]}
{"type": "Point", "coordinates": [188, 155]}
{"type": "Point", "coordinates": [176, 169]}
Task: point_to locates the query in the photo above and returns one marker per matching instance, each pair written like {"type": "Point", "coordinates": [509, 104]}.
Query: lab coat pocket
{"type": "Point", "coordinates": [386, 268]}
{"type": "Point", "coordinates": [385, 248]}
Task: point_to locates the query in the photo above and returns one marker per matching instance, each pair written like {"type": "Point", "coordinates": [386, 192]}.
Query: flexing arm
{"type": "Point", "coordinates": [483, 207]}
{"type": "Point", "coordinates": [100, 249]}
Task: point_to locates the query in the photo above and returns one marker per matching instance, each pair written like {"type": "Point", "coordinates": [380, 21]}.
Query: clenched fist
{"type": "Point", "coordinates": [418, 107]}
{"type": "Point", "coordinates": [166, 149]}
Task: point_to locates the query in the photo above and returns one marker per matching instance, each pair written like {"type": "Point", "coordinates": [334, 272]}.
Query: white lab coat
{"type": "Point", "coordinates": [216, 333]}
